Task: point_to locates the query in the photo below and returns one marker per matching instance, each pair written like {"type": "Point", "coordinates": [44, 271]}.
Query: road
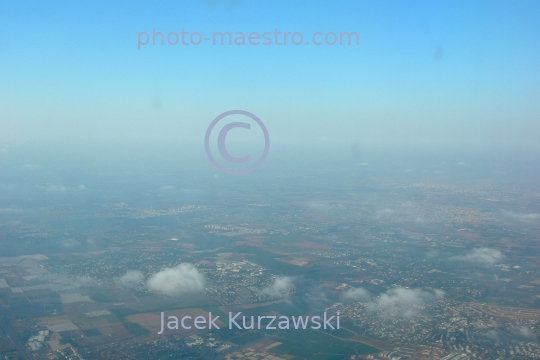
{"type": "Point", "coordinates": [21, 348]}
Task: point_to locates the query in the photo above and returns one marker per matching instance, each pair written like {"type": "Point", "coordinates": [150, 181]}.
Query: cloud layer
{"type": "Point", "coordinates": [481, 256]}
{"type": "Point", "coordinates": [184, 278]}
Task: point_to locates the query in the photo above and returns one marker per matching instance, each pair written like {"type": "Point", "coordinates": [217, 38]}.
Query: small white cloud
{"type": "Point", "coordinates": [356, 294]}
{"type": "Point", "coordinates": [61, 189]}
{"type": "Point", "coordinates": [322, 206]}
{"type": "Point", "coordinates": [192, 191]}
{"type": "Point", "coordinates": [281, 286]}
{"type": "Point", "coordinates": [525, 332]}
{"type": "Point", "coordinates": [403, 302]}
{"type": "Point", "coordinates": [184, 278]}
{"type": "Point", "coordinates": [521, 216]}
{"type": "Point", "coordinates": [70, 243]}
{"type": "Point", "coordinates": [384, 212]}
{"type": "Point", "coordinates": [493, 335]}
{"type": "Point", "coordinates": [84, 281]}
{"type": "Point", "coordinates": [131, 278]}
{"type": "Point", "coordinates": [481, 256]}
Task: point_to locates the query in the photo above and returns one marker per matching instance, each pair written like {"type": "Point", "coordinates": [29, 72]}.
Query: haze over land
{"type": "Point", "coordinates": [400, 191]}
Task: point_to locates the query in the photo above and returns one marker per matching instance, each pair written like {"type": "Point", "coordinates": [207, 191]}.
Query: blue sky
{"type": "Point", "coordinates": [422, 71]}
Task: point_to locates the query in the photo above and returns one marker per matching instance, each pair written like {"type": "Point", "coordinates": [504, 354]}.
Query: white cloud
{"type": "Point", "coordinates": [384, 212]}
{"type": "Point", "coordinates": [61, 189]}
{"type": "Point", "coordinates": [281, 286]}
{"type": "Point", "coordinates": [131, 278]}
{"type": "Point", "coordinates": [525, 332]}
{"type": "Point", "coordinates": [356, 294]}
{"type": "Point", "coordinates": [493, 335]}
{"type": "Point", "coordinates": [521, 216]}
{"type": "Point", "coordinates": [514, 337]}
{"type": "Point", "coordinates": [191, 191]}
{"type": "Point", "coordinates": [84, 281]}
{"type": "Point", "coordinates": [70, 243]}
{"type": "Point", "coordinates": [403, 301]}
{"type": "Point", "coordinates": [322, 206]}
{"type": "Point", "coordinates": [184, 278]}
{"type": "Point", "coordinates": [481, 256]}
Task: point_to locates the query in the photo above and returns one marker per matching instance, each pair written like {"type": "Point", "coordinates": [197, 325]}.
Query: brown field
{"type": "Point", "coordinates": [114, 333]}
{"type": "Point", "coordinates": [295, 261]}
{"type": "Point", "coordinates": [308, 245]}
{"type": "Point", "coordinates": [258, 242]}
{"type": "Point", "coordinates": [53, 320]}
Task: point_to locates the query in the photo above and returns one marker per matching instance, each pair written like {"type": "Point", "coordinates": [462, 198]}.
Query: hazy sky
{"type": "Point", "coordinates": [423, 70]}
